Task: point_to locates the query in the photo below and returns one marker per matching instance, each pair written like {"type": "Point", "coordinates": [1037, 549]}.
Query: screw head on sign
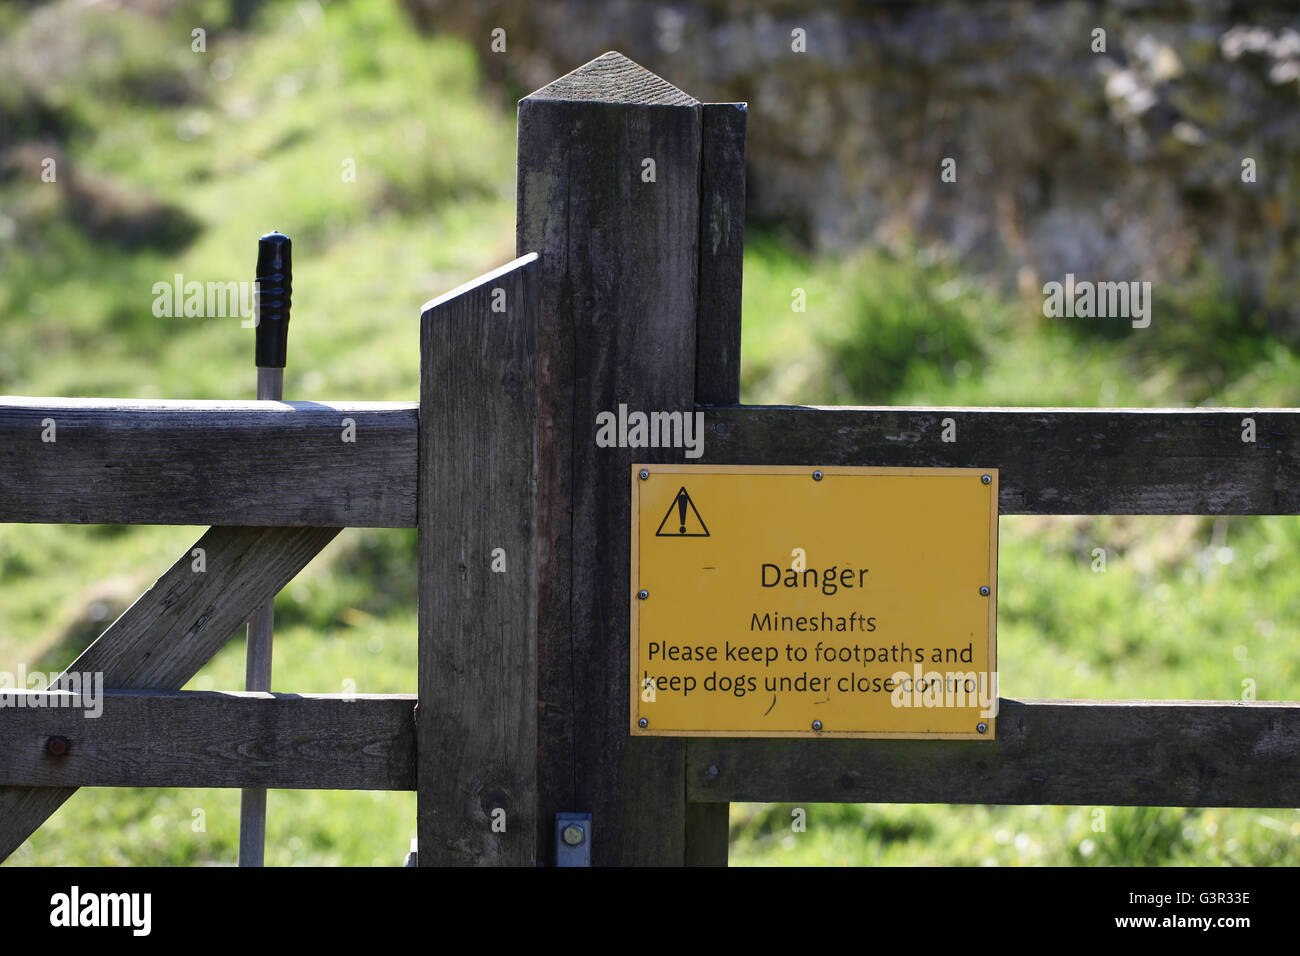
{"type": "Point", "coordinates": [643, 594]}
{"type": "Point", "coordinates": [982, 727]}
{"type": "Point", "coordinates": [573, 835]}
{"type": "Point", "coordinates": [817, 476]}
{"type": "Point", "coordinates": [57, 746]}
{"type": "Point", "coordinates": [643, 474]}
{"type": "Point", "coordinates": [987, 479]}
{"type": "Point", "coordinates": [643, 723]}
{"type": "Point", "coordinates": [817, 725]}
{"type": "Point", "coordinates": [984, 590]}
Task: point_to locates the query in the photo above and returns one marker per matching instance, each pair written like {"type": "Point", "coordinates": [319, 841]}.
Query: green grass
{"type": "Point", "coordinates": [914, 835]}
{"type": "Point", "coordinates": [217, 148]}
{"type": "Point", "coordinates": [432, 205]}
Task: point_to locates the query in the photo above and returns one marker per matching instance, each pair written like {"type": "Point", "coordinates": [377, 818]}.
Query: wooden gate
{"type": "Point", "coordinates": [627, 291]}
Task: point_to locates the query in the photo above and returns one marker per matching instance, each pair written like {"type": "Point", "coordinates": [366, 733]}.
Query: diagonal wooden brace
{"type": "Point", "coordinates": [172, 630]}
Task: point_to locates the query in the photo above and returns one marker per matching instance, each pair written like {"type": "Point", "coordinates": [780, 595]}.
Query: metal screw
{"type": "Point", "coordinates": [643, 474]}
{"type": "Point", "coordinates": [573, 835]}
{"type": "Point", "coordinates": [987, 479]}
{"type": "Point", "coordinates": [817, 725]}
{"type": "Point", "coordinates": [817, 476]}
{"type": "Point", "coordinates": [982, 727]}
{"type": "Point", "coordinates": [985, 590]}
{"type": "Point", "coordinates": [643, 594]}
{"type": "Point", "coordinates": [713, 770]}
{"type": "Point", "coordinates": [57, 746]}
{"type": "Point", "coordinates": [643, 723]}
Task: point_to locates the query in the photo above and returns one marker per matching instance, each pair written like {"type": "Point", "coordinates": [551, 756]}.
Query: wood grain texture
{"type": "Point", "coordinates": [614, 79]}
{"type": "Point", "coordinates": [118, 461]}
{"type": "Point", "coordinates": [478, 627]}
{"type": "Point", "coordinates": [172, 630]}
{"type": "Point", "coordinates": [708, 833]}
{"type": "Point", "coordinates": [1083, 753]}
{"type": "Point", "coordinates": [617, 293]}
{"type": "Point", "coordinates": [722, 247]}
{"type": "Point", "coordinates": [1050, 460]}
{"type": "Point", "coordinates": [210, 739]}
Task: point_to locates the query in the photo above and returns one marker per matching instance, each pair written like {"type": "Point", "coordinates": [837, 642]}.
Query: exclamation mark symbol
{"type": "Point", "coordinates": [682, 508]}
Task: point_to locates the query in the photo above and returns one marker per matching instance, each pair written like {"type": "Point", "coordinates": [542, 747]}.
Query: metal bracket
{"type": "Point", "coordinates": [573, 839]}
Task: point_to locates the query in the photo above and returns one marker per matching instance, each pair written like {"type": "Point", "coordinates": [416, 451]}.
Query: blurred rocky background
{"type": "Point", "coordinates": [1118, 165]}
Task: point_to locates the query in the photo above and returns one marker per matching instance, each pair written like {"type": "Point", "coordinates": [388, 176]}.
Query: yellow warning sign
{"type": "Point", "coordinates": [790, 601]}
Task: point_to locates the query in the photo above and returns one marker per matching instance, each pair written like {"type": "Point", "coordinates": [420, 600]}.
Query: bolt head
{"type": "Point", "coordinates": [643, 723]}
{"type": "Point", "coordinates": [817, 476]}
{"type": "Point", "coordinates": [817, 725]}
{"type": "Point", "coordinates": [984, 590]}
{"type": "Point", "coordinates": [573, 835]}
{"type": "Point", "coordinates": [987, 479]}
{"type": "Point", "coordinates": [643, 474]}
{"type": "Point", "coordinates": [982, 727]}
{"type": "Point", "coordinates": [643, 594]}
{"type": "Point", "coordinates": [57, 746]}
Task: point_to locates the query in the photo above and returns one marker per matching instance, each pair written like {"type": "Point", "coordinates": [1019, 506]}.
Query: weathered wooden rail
{"type": "Point", "coordinates": [627, 290]}
{"type": "Point", "coordinates": [187, 462]}
{"type": "Point", "coordinates": [117, 461]}
{"type": "Point", "coordinates": [240, 739]}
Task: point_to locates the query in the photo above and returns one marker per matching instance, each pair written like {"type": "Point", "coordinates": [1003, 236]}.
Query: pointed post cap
{"type": "Point", "coordinates": [613, 78]}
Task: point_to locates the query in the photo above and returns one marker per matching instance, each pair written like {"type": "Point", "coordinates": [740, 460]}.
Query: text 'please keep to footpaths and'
{"type": "Point", "coordinates": [791, 601]}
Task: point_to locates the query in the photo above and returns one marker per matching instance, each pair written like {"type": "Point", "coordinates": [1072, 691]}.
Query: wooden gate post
{"type": "Point", "coordinates": [609, 197]}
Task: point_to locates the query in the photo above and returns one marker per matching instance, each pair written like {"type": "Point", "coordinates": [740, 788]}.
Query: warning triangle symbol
{"type": "Point", "coordinates": [682, 519]}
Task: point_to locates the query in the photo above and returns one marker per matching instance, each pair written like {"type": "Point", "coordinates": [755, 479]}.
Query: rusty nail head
{"type": "Point", "coordinates": [57, 746]}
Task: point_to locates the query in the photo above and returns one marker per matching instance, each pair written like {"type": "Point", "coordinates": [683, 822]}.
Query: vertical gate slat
{"type": "Point", "coordinates": [722, 247]}
{"type": "Point", "coordinates": [717, 351]}
{"type": "Point", "coordinates": [477, 512]}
